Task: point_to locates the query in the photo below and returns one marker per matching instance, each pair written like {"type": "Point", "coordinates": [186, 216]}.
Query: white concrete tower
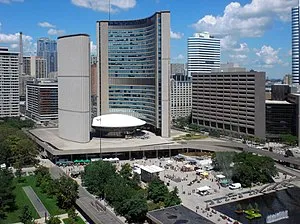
{"type": "Point", "coordinates": [74, 118]}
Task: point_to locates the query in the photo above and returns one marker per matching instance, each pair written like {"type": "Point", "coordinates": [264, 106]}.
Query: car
{"type": "Point", "coordinates": [235, 186]}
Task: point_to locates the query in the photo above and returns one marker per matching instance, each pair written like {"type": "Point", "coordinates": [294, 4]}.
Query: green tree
{"type": "Point", "coordinates": [96, 175]}
{"type": "Point", "coordinates": [7, 198]}
{"type": "Point", "coordinates": [67, 192]}
{"type": "Point", "coordinates": [126, 171]}
{"type": "Point", "coordinates": [26, 216]}
{"type": "Point", "coordinates": [72, 215]}
{"type": "Point", "coordinates": [222, 161]}
{"type": "Point", "coordinates": [249, 168]}
{"type": "Point", "coordinates": [157, 191]}
{"type": "Point", "coordinates": [289, 139]}
{"type": "Point", "coordinates": [135, 210]}
{"type": "Point", "coordinates": [53, 220]}
{"type": "Point", "coordinates": [117, 191]}
{"type": "Point", "coordinates": [172, 198]}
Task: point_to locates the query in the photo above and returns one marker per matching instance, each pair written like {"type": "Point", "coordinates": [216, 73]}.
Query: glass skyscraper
{"type": "Point", "coordinates": [295, 45]}
{"type": "Point", "coordinates": [203, 53]}
{"type": "Point", "coordinates": [134, 69]}
{"type": "Point", "coordinates": [47, 49]}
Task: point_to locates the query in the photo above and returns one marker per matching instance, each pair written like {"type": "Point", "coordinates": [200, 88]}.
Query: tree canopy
{"type": "Point", "coordinates": [7, 198]}
{"type": "Point", "coordinates": [250, 168]}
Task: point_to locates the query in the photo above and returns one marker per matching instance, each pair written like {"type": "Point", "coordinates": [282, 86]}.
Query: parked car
{"type": "Point", "coordinates": [235, 186]}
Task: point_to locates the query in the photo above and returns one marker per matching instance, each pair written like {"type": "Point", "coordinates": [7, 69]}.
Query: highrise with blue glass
{"type": "Point", "coordinates": [295, 45]}
{"type": "Point", "coordinates": [47, 49]}
{"type": "Point", "coordinates": [134, 69]}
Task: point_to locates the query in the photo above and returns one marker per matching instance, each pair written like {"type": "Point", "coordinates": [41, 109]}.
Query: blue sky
{"type": "Point", "coordinates": [255, 34]}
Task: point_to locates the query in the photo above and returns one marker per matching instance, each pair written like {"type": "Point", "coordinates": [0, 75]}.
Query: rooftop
{"type": "Point", "coordinates": [176, 214]}
{"type": "Point", "coordinates": [277, 102]}
{"type": "Point", "coordinates": [117, 121]}
{"type": "Point", "coordinates": [152, 169]}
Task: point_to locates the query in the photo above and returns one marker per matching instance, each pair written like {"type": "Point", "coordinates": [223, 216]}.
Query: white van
{"type": "Point", "coordinates": [235, 186]}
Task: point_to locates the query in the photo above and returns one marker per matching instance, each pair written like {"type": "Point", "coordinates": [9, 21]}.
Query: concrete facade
{"type": "Point", "coordinates": [231, 102]}
{"type": "Point", "coordinates": [38, 67]}
{"type": "Point", "coordinates": [181, 96]}
{"type": "Point", "coordinates": [9, 83]}
{"type": "Point", "coordinates": [74, 96]}
{"type": "Point", "coordinates": [134, 69]}
{"type": "Point", "coordinates": [42, 100]}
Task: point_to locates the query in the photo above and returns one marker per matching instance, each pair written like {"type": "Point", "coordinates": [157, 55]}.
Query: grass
{"type": "Point", "coordinates": [49, 202]}
{"type": "Point", "coordinates": [78, 221]}
{"type": "Point", "coordinates": [21, 201]}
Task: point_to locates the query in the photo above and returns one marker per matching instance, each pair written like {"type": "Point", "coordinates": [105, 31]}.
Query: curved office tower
{"type": "Point", "coordinates": [74, 87]}
{"type": "Point", "coordinates": [134, 69]}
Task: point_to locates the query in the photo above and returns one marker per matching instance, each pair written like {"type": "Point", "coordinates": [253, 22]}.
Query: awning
{"type": "Point", "coordinates": [205, 188]}
{"type": "Point", "coordinates": [220, 176]}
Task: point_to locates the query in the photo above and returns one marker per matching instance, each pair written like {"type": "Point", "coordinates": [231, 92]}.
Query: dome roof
{"type": "Point", "coordinates": [117, 121]}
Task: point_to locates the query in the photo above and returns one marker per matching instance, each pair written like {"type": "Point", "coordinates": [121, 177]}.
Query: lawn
{"type": "Point", "coordinates": [78, 221]}
{"type": "Point", "coordinates": [49, 202]}
{"type": "Point", "coordinates": [21, 201]}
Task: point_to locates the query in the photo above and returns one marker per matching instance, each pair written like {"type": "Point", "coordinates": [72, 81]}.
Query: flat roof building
{"type": "Point", "coordinates": [42, 99]}
{"type": "Point", "coordinates": [204, 53]}
{"type": "Point", "coordinates": [232, 103]}
{"type": "Point", "coordinates": [181, 96]}
{"type": "Point", "coordinates": [134, 69]}
{"type": "Point", "coordinates": [9, 83]}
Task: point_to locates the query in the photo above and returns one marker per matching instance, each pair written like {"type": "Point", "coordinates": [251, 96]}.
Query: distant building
{"type": "Point", "coordinates": [203, 53]}
{"type": "Point", "coordinates": [42, 99]}
{"type": "Point", "coordinates": [181, 96]}
{"type": "Point", "coordinates": [38, 67]}
{"type": "Point", "coordinates": [231, 102]}
{"type": "Point", "coordinates": [177, 68]}
{"type": "Point", "coordinates": [229, 67]}
{"type": "Point", "coordinates": [134, 69]}
{"type": "Point", "coordinates": [93, 59]}
{"type": "Point", "coordinates": [280, 118]}
{"type": "Point", "coordinates": [280, 91]}
{"type": "Point", "coordinates": [9, 83]}
{"type": "Point", "coordinates": [288, 79]}
{"type": "Point", "coordinates": [74, 96]}
{"type": "Point", "coordinates": [23, 79]}
{"type": "Point", "coordinates": [47, 49]}
{"type": "Point", "coordinates": [26, 65]}
{"type": "Point", "coordinates": [296, 44]}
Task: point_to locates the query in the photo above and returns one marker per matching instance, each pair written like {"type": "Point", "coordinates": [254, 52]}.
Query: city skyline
{"type": "Point", "coordinates": [254, 33]}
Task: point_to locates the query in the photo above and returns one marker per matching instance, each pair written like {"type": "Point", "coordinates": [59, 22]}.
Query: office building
{"type": "Point", "coordinates": [280, 118]}
{"type": "Point", "coordinates": [38, 67]}
{"type": "Point", "coordinates": [280, 91]}
{"type": "Point", "coordinates": [9, 83]}
{"type": "Point", "coordinates": [203, 53]}
{"type": "Point", "coordinates": [134, 69]}
{"type": "Point", "coordinates": [177, 68]}
{"type": "Point", "coordinates": [42, 99]}
{"type": "Point", "coordinates": [74, 92]}
{"type": "Point", "coordinates": [47, 49]}
{"type": "Point", "coordinates": [181, 96]}
{"type": "Point", "coordinates": [27, 65]}
{"type": "Point", "coordinates": [231, 102]}
{"type": "Point", "coordinates": [287, 79]}
{"type": "Point", "coordinates": [295, 45]}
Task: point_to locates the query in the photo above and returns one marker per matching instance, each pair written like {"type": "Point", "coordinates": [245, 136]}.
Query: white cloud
{"type": "Point", "coordinates": [290, 53]}
{"type": "Point", "coordinates": [103, 5]}
{"type": "Point", "coordinates": [56, 32]}
{"type": "Point", "coordinates": [176, 35]}
{"type": "Point", "coordinates": [250, 20]}
{"type": "Point", "coordinates": [268, 56]}
{"type": "Point", "coordinates": [10, 1]}
{"type": "Point", "coordinates": [46, 25]}
{"type": "Point", "coordinates": [179, 57]}
{"type": "Point", "coordinates": [93, 48]}
{"type": "Point", "coordinates": [12, 40]}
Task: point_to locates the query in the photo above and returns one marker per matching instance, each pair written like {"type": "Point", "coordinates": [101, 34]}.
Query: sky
{"type": "Point", "coordinates": [255, 34]}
